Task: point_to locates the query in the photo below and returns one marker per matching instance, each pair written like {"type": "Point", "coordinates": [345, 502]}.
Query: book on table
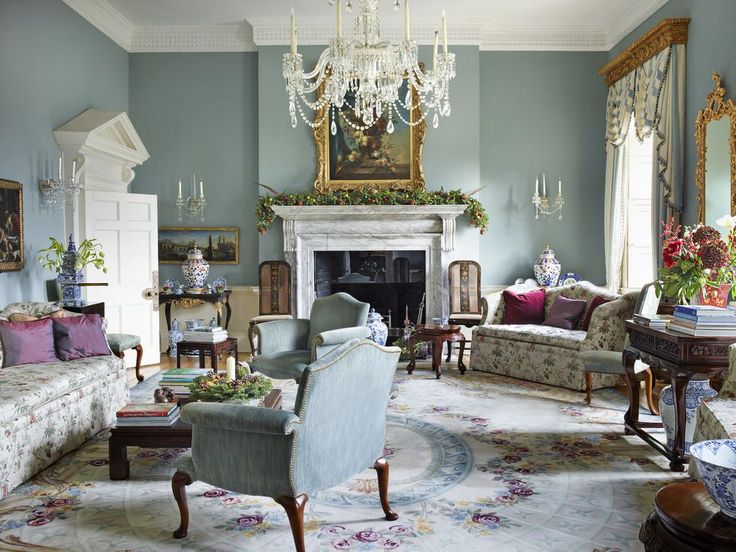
{"type": "Point", "coordinates": [149, 414]}
{"type": "Point", "coordinates": [658, 321]}
{"type": "Point", "coordinates": [205, 337]}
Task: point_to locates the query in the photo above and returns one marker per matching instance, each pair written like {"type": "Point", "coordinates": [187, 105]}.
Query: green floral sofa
{"type": "Point", "coordinates": [546, 354]}
{"type": "Point", "coordinates": [48, 410]}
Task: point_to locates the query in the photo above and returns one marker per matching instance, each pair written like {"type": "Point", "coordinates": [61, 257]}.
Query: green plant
{"type": "Point", "coordinates": [475, 213]}
{"type": "Point", "coordinates": [217, 388]}
{"type": "Point", "coordinates": [89, 252]}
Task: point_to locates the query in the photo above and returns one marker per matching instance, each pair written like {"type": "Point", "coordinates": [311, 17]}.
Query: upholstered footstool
{"type": "Point", "coordinates": [610, 362]}
{"type": "Point", "coordinates": [119, 343]}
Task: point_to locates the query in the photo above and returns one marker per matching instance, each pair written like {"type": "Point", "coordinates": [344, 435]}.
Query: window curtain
{"type": "Point", "coordinates": [654, 94]}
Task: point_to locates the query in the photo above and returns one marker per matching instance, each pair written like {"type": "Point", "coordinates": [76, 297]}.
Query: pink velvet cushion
{"type": "Point", "coordinates": [565, 313]}
{"type": "Point", "coordinates": [524, 308]}
{"type": "Point", "coordinates": [80, 337]}
{"type": "Point", "coordinates": [27, 342]}
{"type": "Point", "coordinates": [596, 302]}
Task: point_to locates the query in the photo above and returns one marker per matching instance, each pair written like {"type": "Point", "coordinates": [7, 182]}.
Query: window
{"type": "Point", "coordinates": [638, 266]}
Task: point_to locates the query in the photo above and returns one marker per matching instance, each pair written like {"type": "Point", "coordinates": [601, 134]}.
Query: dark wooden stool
{"type": "Point", "coordinates": [686, 519]}
{"type": "Point", "coordinates": [229, 346]}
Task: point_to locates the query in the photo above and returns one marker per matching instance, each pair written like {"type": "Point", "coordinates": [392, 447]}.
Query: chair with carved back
{"type": "Point", "coordinates": [274, 295]}
{"type": "Point", "coordinates": [465, 307]}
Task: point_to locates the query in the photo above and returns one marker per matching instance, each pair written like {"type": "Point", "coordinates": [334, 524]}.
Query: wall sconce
{"type": "Point", "coordinates": [60, 189]}
{"type": "Point", "coordinates": [542, 203]}
{"type": "Point", "coordinates": [193, 205]}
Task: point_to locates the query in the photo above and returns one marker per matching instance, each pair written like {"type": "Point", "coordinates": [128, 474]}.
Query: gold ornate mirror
{"type": "Point", "coordinates": [715, 140]}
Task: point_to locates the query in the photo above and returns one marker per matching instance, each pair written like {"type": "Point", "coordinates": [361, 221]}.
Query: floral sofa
{"type": "Point", "coordinates": [47, 410]}
{"type": "Point", "coordinates": [547, 354]}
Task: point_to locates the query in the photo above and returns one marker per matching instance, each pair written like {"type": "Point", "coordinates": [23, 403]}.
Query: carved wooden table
{"type": "Point", "coordinates": [437, 335]}
{"type": "Point", "coordinates": [228, 346]}
{"type": "Point", "coordinates": [686, 519]}
{"type": "Point", "coordinates": [676, 358]}
{"type": "Point", "coordinates": [177, 435]}
{"type": "Point", "coordinates": [189, 300]}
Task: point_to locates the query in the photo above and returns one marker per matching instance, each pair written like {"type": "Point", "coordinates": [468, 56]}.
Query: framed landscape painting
{"type": "Point", "coordinates": [219, 245]}
{"type": "Point", "coordinates": [12, 256]}
{"type": "Point", "coordinates": [355, 158]}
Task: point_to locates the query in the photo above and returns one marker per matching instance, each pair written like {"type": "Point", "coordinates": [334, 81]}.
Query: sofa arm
{"type": "Point", "coordinates": [282, 335]}
{"type": "Point", "coordinates": [490, 306]}
{"type": "Point", "coordinates": [328, 340]}
{"type": "Point", "coordinates": [607, 330]}
{"type": "Point", "coordinates": [238, 417]}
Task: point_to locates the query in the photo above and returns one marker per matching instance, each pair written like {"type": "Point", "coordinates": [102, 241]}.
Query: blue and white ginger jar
{"type": "Point", "coordinates": [696, 391]}
{"type": "Point", "coordinates": [547, 268]}
{"type": "Point", "coordinates": [175, 336]}
{"type": "Point", "coordinates": [195, 269]}
{"type": "Point", "coordinates": [379, 330]}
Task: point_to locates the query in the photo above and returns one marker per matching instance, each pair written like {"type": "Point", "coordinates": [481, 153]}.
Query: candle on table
{"type": "Point", "coordinates": [230, 370]}
{"type": "Point", "coordinates": [444, 31]}
{"type": "Point", "coordinates": [339, 18]}
{"type": "Point", "coordinates": [544, 185]}
{"type": "Point", "coordinates": [293, 33]}
{"type": "Point", "coordinates": [407, 34]}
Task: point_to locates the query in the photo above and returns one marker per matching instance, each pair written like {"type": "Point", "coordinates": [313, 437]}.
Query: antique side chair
{"type": "Point", "coordinates": [274, 295]}
{"type": "Point", "coordinates": [465, 307]}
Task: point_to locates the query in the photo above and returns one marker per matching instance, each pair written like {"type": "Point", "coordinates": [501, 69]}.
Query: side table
{"type": "Point", "coordinates": [229, 346]}
{"type": "Point", "coordinates": [437, 335]}
{"type": "Point", "coordinates": [686, 519]}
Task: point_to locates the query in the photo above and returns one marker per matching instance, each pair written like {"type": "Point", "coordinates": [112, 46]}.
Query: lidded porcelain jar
{"type": "Point", "coordinates": [547, 268]}
{"type": "Point", "coordinates": [379, 330]}
{"type": "Point", "coordinates": [195, 269]}
{"type": "Point", "coordinates": [696, 391]}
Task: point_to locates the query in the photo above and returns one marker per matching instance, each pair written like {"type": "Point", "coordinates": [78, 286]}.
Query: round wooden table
{"type": "Point", "coordinates": [437, 335]}
{"type": "Point", "coordinates": [686, 519]}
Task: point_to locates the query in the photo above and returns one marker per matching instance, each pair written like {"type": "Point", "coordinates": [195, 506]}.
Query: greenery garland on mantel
{"type": "Point", "coordinates": [475, 213]}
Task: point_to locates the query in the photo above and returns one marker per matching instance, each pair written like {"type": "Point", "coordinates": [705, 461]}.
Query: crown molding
{"type": "Point", "coordinates": [584, 39]}
{"type": "Point", "coordinates": [194, 38]}
{"type": "Point", "coordinates": [107, 19]}
{"type": "Point", "coordinates": [630, 19]}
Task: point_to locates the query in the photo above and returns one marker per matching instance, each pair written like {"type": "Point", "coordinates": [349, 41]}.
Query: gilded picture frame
{"type": "Point", "coordinates": [12, 245]}
{"type": "Point", "coordinates": [374, 159]}
{"type": "Point", "coordinates": [219, 244]}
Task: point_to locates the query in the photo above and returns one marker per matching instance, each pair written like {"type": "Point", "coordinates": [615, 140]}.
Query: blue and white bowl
{"type": "Point", "coordinates": [716, 461]}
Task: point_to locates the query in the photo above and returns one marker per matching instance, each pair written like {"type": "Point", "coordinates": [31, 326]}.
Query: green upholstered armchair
{"type": "Point", "coordinates": [285, 347]}
{"type": "Point", "coordinates": [336, 431]}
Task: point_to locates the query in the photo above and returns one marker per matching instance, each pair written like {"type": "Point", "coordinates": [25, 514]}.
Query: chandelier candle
{"type": "Point", "coordinates": [407, 34]}
{"type": "Point", "coordinates": [293, 33]}
{"type": "Point", "coordinates": [444, 31]}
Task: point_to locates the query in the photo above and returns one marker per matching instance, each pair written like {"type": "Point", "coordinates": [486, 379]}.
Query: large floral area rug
{"type": "Point", "coordinates": [478, 462]}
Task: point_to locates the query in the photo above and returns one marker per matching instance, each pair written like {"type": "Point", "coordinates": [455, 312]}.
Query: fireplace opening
{"type": "Point", "coordinates": [393, 282]}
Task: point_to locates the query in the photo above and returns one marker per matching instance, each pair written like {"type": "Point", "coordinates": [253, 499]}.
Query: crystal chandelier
{"type": "Point", "coordinates": [361, 79]}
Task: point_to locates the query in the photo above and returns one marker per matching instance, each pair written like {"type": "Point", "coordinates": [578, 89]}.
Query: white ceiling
{"type": "Point", "coordinates": [226, 25]}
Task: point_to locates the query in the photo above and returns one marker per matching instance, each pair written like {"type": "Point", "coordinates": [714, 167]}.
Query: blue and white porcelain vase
{"type": "Point", "coordinates": [195, 269]}
{"type": "Point", "coordinates": [379, 330]}
{"type": "Point", "coordinates": [547, 268]}
{"type": "Point", "coordinates": [69, 276]}
{"type": "Point", "coordinates": [175, 336]}
{"type": "Point", "coordinates": [695, 392]}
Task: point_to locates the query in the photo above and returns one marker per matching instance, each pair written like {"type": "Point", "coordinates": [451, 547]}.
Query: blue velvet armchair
{"type": "Point", "coordinates": [286, 347]}
{"type": "Point", "coordinates": [336, 431]}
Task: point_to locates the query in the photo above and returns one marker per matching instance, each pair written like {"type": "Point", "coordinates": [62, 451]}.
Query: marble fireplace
{"type": "Point", "coordinates": [430, 229]}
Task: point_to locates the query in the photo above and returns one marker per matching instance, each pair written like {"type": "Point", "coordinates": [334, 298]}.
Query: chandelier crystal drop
{"type": "Point", "coordinates": [363, 78]}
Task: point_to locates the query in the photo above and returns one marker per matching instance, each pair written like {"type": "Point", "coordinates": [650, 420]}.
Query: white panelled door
{"type": "Point", "coordinates": [127, 227]}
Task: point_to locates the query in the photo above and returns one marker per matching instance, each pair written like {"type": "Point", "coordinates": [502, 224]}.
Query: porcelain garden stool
{"type": "Point", "coordinates": [119, 343]}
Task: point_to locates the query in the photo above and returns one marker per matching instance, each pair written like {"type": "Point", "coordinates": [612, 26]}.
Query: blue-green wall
{"type": "Point", "coordinates": [711, 47]}
{"type": "Point", "coordinates": [198, 113]}
{"type": "Point", "coordinates": [54, 65]}
{"type": "Point", "coordinates": [542, 111]}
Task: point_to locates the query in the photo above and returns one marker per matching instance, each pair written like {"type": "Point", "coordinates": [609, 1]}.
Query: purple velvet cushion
{"type": "Point", "coordinates": [565, 313]}
{"type": "Point", "coordinates": [524, 308]}
{"type": "Point", "coordinates": [27, 342]}
{"type": "Point", "coordinates": [80, 337]}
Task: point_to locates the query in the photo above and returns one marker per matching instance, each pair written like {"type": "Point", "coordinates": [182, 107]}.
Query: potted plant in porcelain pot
{"type": "Point", "coordinates": [69, 262]}
{"type": "Point", "coordinates": [699, 262]}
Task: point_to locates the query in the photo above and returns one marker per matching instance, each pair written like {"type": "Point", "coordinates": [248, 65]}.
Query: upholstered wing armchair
{"type": "Point", "coordinates": [335, 432]}
{"type": "Point", "coordinates": [286, 347]}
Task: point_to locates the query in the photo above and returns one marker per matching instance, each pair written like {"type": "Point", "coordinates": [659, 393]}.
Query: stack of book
{"type": "Point", "coordinates": [656, 321]}
{"type": "Point", "coordinates": [149, 414]}
{"type": "Point", "coordinates": [178, 379]}
{"type": "Point", "coordinates": [704, 320]}
{"type": "Point", "coordinates": [206, 335]}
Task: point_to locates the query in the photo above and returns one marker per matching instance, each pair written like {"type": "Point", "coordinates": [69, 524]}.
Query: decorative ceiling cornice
{"type": "Point", "coordinates": [199, 38]}
{"type": "Point", "coordinates": [107, 19]}
{"type": "Point", "coordinates": [630, 19]}
{"type": "Point", "coordinates": [667, 32]}
{"type": "Point", "coordinates": [544, 38]}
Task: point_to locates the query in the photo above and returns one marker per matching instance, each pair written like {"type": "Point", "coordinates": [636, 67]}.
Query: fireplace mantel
{"type": "Point", "coordinates": [310, 228]}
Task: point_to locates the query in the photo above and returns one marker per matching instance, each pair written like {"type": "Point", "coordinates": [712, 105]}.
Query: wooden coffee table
{"type": "Point", "coordinates": [437, 335]}
{"type": "Point", "coordinates": [177, 435]}
{"type": "Point", "coordinates": [686, 519]}
{"type": "Point", "coordinates": [229, 346]}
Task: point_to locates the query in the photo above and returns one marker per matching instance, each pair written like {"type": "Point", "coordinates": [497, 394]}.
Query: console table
{"type": "Point", "coordinates": [189, 300]}
{"type": "Point", "coordinates": [676, 358]}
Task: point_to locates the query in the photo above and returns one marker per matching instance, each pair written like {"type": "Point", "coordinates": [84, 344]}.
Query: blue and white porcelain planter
{"type": "Point", "coordinates": [69, 276]}
{"type": "Point", "coordinates": [547, 268]}
{"type": "Point", "coordinates": [716, 461]}
{"type": "Point", "coordinates": [175, 336]}
{"type": "Point", "coordinates": [379, 330]}
{"type": "Point", "coordinates": [695, 392]}
{"type": "Point", "coordinates": [195, 269]}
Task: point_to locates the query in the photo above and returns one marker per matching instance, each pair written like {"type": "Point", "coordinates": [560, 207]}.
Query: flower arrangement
{"type": "Point", "coordinates": [217, 388]}
{"type": "Point", "coordinates": [476, 214]}
{"type": "Point", "coordinates": [696, 257]}
{"type": "Point", "coordinates": [89, 252]}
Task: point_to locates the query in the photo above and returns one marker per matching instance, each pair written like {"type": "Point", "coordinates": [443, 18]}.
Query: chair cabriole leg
{"type": "Point", "coordinates": [381, 467]}
{"type": "Point", "coordinates": [294, 506]}
{"type": "Point", "coordinates": [138, 358]}
{"type": "Point", "coordinates": [178, 486]}
{"type": "Point", "coordinates": [649, 383]}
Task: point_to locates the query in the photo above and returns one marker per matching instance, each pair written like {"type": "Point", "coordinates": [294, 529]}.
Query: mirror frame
{"type": "Point", "coordinates": [716, 108]}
